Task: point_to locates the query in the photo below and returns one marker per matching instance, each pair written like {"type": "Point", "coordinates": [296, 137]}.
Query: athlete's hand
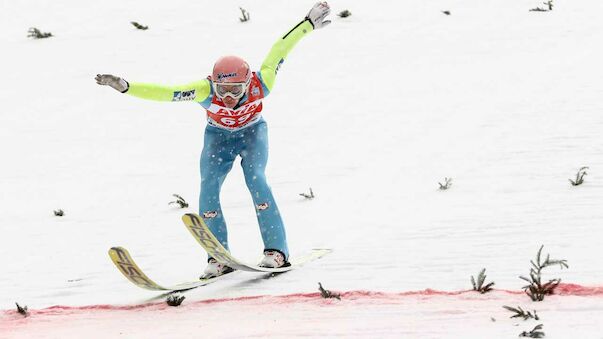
{"type": "Point", "coordinates": [117, 83]}
{"type": "Point", "coordinates": [318, 13]}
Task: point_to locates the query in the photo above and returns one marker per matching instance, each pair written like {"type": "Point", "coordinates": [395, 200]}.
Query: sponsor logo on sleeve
{"type": "Point", "coordinates": [184, 95]}
{"type": "Point", "coordinates": [278, 67]}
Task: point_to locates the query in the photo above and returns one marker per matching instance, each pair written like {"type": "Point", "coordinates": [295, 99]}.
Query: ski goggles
{"type": "Point", "coordinates": [233, 89]}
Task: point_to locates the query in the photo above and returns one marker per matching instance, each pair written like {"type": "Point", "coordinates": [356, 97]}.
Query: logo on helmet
{"type": "Point", "coordinates": [222, 76]}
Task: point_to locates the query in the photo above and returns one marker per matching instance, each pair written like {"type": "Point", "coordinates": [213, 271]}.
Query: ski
{"type": "Point", "coordinates": [128, 267]}
{"type": "Point", "coordinates": [208, 241]}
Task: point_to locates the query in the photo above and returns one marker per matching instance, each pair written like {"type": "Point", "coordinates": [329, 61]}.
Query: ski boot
{"type": "Point", "coordinates": [273, 259]}
{"type": "Point", "coordinates": [215, 269]}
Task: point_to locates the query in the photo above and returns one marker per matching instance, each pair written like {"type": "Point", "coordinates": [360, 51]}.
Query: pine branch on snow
{"type": "Point", "coordinates": [174, 299]}
{"type": "Point", "coordinates": [535, 333]}
{"type": "Point", "coordinates": [245, 14]}
{"type": "Point", "coordinates": [308, 196]}
{"type": "Point", "coordinates": [344, 14]}
{"type": "Point", "coordinates": [179, 200]}
{"type": "Point", "coordinates": [22, 310]}
{"type": "Point", "coordinates": [579, 176]}
{"type": "Point", "coordinates": [446, 185]}
{"type": "Point", "coordinates": [479, 285]}
{"type": "Point", "coordinates": [549, 4]}
{"type": "Point", "coordinates": [139, 26]}
{"type": "Point", "coordinates": [536, 289]}
{"type": "Point", "coordinates": [520, 313]}
{"type": "Point", "coordinates": [328, 294]}
{"type": "Point", "coordinates": [37, 34]}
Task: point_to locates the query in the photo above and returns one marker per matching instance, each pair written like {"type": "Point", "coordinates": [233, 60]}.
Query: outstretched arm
{"type": "Point", "coordinates": [314, 20]}
{"type": "Point", "coordinates": [197, 91]}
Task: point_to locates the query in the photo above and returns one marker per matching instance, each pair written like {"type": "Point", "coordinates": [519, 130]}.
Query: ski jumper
{"type": "Point", "coordinates": [240, 131]}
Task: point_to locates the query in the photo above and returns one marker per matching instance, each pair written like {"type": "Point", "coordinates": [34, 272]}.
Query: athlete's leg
{"type": "Point", "coordinates": [217, 158]}
{"type": "Point", "coordinates": [254, 156]}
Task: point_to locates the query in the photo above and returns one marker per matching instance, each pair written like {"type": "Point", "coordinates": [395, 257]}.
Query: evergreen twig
{"type": "Point", "coordinates": [22, 310]}
{"type": "Point", "coordinates": [548, 4]}
{"type": "Point", "coordinates": [534, 333]}
{"type": "Point", "coordinates": [37, 34]}
{"type": "Point", "coordinates": [308, 196]}
{"type": "Point", "coordinates": [245, 14]}
{"type": "Point", "coordinates": [139, 26]}
{"type": "Point", "coordinates": [174, 299]}
{"type": "Point", "coordinates": [344, 14]}
{"type": "Point", "coordinates": [520, 313]}
{"type": "Point", "coordinates": [479, 285]}
{"type": "Point", "coordinates": [328, 294]}
{"type": "Point", "coordinates": [536, 289]}
{"type": "Point", "coordinates": [446, 185]}
{"type": "Point", "coordinates": [579, 176]}
{"type": "Point", "coordinates": [179, 200]}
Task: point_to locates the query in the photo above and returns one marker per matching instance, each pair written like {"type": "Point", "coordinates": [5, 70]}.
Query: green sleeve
{"type": "Point", "coordinates": [279, 52]}
{"type": "Point", "coordinates": [197, 91]}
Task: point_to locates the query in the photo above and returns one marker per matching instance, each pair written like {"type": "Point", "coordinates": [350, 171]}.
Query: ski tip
{"type": "Point", "coordinates": [114, 249]}
{"type": "Point", "coordinates": [189, 216]}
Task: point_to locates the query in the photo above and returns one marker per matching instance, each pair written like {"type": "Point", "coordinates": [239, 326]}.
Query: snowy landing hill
{"type": "Point", "coordinates": [370, 112]}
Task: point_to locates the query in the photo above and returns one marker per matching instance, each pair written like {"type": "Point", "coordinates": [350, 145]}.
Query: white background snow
{"type": "Point", "coordinates": [370, 112]}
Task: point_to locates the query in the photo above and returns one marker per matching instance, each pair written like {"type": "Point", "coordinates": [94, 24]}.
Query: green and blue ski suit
{"type": "Point", "coordinates": [240, 131]}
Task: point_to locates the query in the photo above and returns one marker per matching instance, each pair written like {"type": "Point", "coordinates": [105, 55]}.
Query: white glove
{"type": "Point", "coordinates": [117, 83]}
{"type": "Point", "coordinates": [318, 13]}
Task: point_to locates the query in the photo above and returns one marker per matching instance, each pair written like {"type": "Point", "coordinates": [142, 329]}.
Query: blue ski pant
{"type": "Point", "coordinates": [220, 149]}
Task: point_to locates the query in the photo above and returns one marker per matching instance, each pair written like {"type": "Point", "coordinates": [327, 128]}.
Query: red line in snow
{"type": "Point", "coordinates": [361, 295]}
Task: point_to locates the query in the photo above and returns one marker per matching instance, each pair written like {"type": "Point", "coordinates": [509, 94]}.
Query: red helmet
{"type": "Point", "coordinates": [231, 69]}
{"type": "Point", "coordinates": [231, 77]}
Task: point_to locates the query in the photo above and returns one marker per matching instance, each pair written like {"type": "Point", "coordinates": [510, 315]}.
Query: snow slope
{"type": "Point", "coordinates": [371, 112]}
